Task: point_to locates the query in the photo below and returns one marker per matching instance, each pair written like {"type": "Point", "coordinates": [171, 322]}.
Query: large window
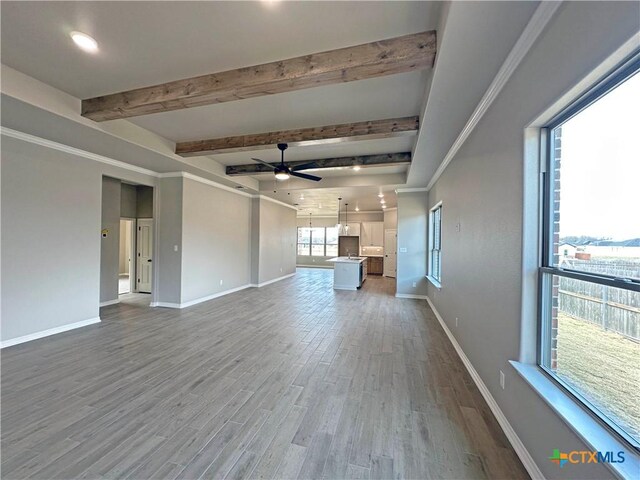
{"type": "Point", "coordinates": [590, 268]}
{"type": "Point", "coordinates": [435, 240]}
{"type": "Point", "coordinates": [318, 241]}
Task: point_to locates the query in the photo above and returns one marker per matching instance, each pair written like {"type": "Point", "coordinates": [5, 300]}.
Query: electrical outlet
{"type": "Point", "coordinates": [220, 282]}
{"type": "Point", "coordinates": [281, 270]}
{"type": "Point", "coordinates": [502, 379]}
{"type": "Point", "coordinates": [414, 284]}
{"type": "Point", "coordinates": [456, 321]}
{"type": "Point", "coordinates": [458, 227]}
{"type": "Point", "coordinates": [403, 250]}
{"type": "Point", "coordinates": [175, 248]}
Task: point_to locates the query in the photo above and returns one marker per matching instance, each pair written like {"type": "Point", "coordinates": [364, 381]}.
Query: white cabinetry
{"type": "Point", "coordinates": [372, 234]}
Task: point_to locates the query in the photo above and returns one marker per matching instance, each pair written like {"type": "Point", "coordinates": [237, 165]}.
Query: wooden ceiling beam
{"type": "Point", "coordinates": [370, 60]}
{"type": "Point", "coordinates": [392, 127]}
{"type": "Point", "coordinates": [362, 161]}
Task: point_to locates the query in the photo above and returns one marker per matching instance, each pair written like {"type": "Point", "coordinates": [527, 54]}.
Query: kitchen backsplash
{"type": "Point", "coordinates": [371, 251]}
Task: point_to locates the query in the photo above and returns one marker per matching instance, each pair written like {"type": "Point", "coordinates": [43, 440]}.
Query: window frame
{"type": "Point", "coordinates": [436, 280]}
{"type": "Point", "coordinates": [546, 267]}
{"type": "Point", "coordinates": [310, 244]}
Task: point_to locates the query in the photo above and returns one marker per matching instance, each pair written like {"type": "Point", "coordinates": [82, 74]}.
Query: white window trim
{"type": "Point", "coordinates": [566, 406]}
{"type": "Point", "coordinates": [437, 282]}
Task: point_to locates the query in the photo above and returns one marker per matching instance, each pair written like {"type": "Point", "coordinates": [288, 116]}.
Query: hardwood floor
{"type": "Point", "coordinates": [292, 380]}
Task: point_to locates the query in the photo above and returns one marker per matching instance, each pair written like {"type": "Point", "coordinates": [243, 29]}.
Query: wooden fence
{"type": "Point", "coordinates": [614, 309]}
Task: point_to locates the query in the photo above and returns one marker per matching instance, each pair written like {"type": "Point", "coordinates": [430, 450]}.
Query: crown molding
{"type": "Point", "coordinates": [273, 200]}
{"type": "Point", "coordinates": [205, 181]}
{"type": "Point", "coordinates": [26, 137]}
{"type": "Point", "coordinates": [531, 32]}
{"type": "Point", "coordinates": [412, 190]}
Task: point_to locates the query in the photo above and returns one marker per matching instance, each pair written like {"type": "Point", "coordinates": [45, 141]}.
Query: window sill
{"type": "Point", "coordinates": [435, 282]}
{"type": "Point", "coordinates": [590, 430]}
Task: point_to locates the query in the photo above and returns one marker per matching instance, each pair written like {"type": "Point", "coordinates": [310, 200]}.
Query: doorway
{"type": "Point", "coordinates": [390, 252]}
{"type": "Point", "coordinates": [126, 264]}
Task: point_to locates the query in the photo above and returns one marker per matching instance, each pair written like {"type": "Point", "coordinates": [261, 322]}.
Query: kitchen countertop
{"type": "Point", "coordinates": [347, 259]}
{"type": "Point", "coordinates": [373, 256]}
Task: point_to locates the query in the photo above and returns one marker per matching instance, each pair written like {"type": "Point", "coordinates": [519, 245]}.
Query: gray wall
{"type": "Point", "coordinates": [136, 201]}
{"type": "Point", "coordinates": [216, 240]}
{"type": "Point", "coordinates": [483, 190]}
{"type": "Point", "coordinates": [51, 222]}
{"type": "Point", "coordinates": [255, 241]}
{"type": "Point", "coordinates": [110, 245]}
{"type": "Point", "coordinates": [128, 201]}
{"type": "Point", "coordinates": [413, 213]}
{"type": "Point", "coordinates": [169, 238]}
{"type": "Point", "coordinates": [277, 241]}
{"type": "Point", "coordinates": [144, 201]}
{"type": "Point", "coordinates": [391, 219]}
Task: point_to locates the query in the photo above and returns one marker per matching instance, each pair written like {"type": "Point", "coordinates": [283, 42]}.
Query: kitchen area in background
{"type": "Point", "coordinates": [370, 236]}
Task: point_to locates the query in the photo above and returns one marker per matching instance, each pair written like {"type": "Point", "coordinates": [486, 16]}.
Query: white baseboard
{"type": "Point", "coordinates": [109, 302]}
{"type": "Point", "coordinates": [345, 287]}
{"type": "Point", "coordinates": [199, 300]}
{"type": "Point", "coordinates": [410, 295]}
{"type": "Point", "coordinates": [47, 333]}
{"type": "Point", "coordinates": [258, 285]}
{"type": "Point", "coordinates": [522, 452]}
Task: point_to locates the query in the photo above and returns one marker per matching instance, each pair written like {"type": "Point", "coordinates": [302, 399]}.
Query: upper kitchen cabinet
{"type": "Point", "coordinates": [372, 234]}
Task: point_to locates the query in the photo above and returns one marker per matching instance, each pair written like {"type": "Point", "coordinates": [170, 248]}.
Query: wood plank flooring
{"type": "Point", "coordinates": [293, 380]}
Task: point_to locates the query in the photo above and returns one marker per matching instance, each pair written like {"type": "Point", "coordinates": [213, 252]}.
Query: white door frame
{"type": "Point", "coordinates": [133, 245]}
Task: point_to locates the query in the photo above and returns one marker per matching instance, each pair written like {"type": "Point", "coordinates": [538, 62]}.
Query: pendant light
{"type": "Point", "coordinates": [346, 219]}
{"type": "Point", "coordinates": [339, 225]}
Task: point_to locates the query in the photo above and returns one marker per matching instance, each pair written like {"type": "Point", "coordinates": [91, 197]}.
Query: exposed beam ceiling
{"type": "Point", "coordinates": [392, 127]}
{"type": "Point", "coordinates": [363, 161]}
{"type": "Point", "coordinates": [370, 60]}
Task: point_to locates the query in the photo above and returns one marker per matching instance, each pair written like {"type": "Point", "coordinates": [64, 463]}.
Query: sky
{"type": "Point", "coordinates": [600, 170]}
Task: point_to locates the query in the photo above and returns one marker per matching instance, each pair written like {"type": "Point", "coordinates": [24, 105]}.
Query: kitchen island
{"type": "Point", "coordinates": [348, 272]}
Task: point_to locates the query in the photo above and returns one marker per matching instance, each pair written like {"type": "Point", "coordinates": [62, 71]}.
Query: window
{"type": "Point", "coordinates": [435, 239]}
{"type": "Point", "coordinates": [332, 242]}
{"type": "Point", "coordinates": [318, 241]}
{"type": "Point", "coordinates": [590, 267]}
{"type": "Point", "coordinates": [304, 241]}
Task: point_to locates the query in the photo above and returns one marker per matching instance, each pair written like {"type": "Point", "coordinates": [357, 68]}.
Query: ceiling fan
{"type": "Point", "coordinates": [283, 171]}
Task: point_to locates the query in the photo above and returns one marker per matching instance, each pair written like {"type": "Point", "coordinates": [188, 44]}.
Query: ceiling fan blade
{"type": "Point", "coordinates": [305, 166]}
{"type": "Point", "coordinates": [263, 162]}
{"type": "Point", "coordinates": [306, 176]}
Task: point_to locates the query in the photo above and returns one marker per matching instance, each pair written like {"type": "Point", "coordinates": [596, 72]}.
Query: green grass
{"type": "Point", "coordinates": [605, 368]}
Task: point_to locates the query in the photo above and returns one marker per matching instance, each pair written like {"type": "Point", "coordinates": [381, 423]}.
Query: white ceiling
{"type": "Point", "coordinates": [146, 43]}
{"type": "Point", "coordinates": [325, 201]}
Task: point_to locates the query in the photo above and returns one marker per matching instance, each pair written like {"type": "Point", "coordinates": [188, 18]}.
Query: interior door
{"type": "Point", "coordinates": [144, 255]}
{"type": "Point", "coordinates": [390, 254]}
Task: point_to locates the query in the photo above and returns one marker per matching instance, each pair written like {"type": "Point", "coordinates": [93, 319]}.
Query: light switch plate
{"type": "Point", "coordinates": [403, 250]}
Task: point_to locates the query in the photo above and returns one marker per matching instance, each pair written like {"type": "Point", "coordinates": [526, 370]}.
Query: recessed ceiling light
{"type": "Point", "coordinates": [380, 195]}
{"type": "Point", "coordinates": [384, 206]}
{"type": "Point", "coordinates": [383, 201]}
{"type": "Point", "coordinates": [356, 168]}
{"type": "Point", "coordinates": [357, 209]}
{"type": "Point", "coordinates": [84, 41]}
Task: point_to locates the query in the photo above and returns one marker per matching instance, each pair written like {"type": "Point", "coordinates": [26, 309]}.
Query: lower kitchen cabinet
{"type": "Point", "coordinates": [374, 266]}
